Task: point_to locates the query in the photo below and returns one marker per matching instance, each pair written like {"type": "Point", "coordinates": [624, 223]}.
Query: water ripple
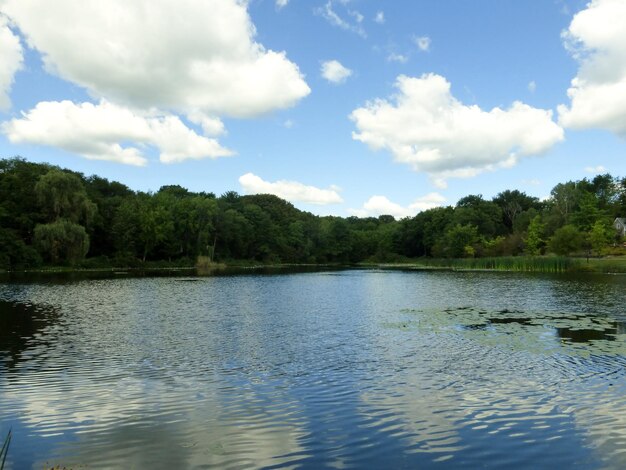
{"type": "Point", "coordinates": [359, 369]}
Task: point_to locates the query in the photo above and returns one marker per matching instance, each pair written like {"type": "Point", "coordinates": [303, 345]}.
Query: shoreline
{"type": "Point", "coordinates": [609, 265]}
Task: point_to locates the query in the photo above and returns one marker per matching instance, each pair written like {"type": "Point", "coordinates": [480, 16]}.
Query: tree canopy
{"type": "Point", "coordinates": [57, 216]}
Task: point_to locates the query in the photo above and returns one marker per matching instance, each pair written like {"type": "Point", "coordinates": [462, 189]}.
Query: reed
{"type": "Point", "coordinates": [5, 449]}
{"type": "Point", "coordinates": [547, 264]}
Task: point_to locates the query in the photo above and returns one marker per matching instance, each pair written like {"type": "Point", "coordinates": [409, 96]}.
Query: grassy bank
{"type": "Point", "coordinates": [539, 264]}
{"type": "Point", "coordinates": [504, 263]}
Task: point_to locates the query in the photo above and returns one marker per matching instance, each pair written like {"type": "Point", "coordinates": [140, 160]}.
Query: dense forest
{"type": "Point", "coordinates": [52, 216]}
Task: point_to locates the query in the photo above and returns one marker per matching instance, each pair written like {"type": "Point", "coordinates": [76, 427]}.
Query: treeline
{"type": "Point", "coordinates": [53, 216]}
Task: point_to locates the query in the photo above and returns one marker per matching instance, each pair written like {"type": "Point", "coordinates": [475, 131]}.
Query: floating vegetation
{"type": "Point", "coordinates": [579, 334]}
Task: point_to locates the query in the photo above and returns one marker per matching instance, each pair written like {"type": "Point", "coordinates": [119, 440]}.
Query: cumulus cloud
{"type": "Point", "coordinates": [335, 72]}
{"type": "Point", "coordinates": [380, 205]}
{"type": "Point", "coordinates": [532, 86]}
{"type": "Point", "coordinates": [422, 43]}
{"type": "Point", "coordinates": [380, 17]}
{"type": "Point", "coordinates": [211, 126]}
{"type": "Point", "coordinates": [281, 3]}
{"type": "Point", "coordinates": [596, 37]}
{"type": "Point", "coordinates": [106, 131]}
{"type": "Point", "coordinates": [11, 58]}
{"type": "Point", "coordinates": [427, 128]}
{"type": "Point", "coordinates": [292, 191]}
{"type": "Point", "coordinates": [176, 55]}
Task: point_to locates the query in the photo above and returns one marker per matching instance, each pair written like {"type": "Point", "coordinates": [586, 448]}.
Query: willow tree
{"type": "Point", "coordinates": [63, 199]}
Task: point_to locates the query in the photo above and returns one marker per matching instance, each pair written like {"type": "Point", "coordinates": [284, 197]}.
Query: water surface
{"type": "Point", "coordinates": [337, 369]}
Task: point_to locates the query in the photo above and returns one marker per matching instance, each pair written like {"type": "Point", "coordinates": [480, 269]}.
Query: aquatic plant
{"type": "Point", "coordinates": [5, 449]}
{"type": "Point", "coordinates": [544, 264]}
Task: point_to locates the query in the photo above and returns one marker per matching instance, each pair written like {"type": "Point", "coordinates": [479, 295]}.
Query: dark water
{"type": "Point", "coordinates": [349, 369]}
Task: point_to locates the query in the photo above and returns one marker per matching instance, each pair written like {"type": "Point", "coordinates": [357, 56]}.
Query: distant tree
{"type": "Point", "coordinates": [63, 195]}
{"type": "Point", "coordinates": [587, 212]}
{"type": "Point", "coordinates": [486, 216]}
{"type": "Point", "coordinates": [458, 242]}
{"type": "Point", "coordinates": [534, 240]}
{"type": "Point", "coordinates": [564, 198]}
{"type": "Point", "coordinates": [62, 241]}
{"type": "Point", "coordinates": [566, 240]}
{"type": "Point", "coordinates": [601, 235]}
{"type": "Point", "coordinates": [606, 190]}
{"type": "Point", "coordinates": [513, 203]}
{"type": "Point", "coordinates": [14, 253]}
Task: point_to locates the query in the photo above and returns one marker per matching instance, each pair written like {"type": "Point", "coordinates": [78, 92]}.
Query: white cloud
{"type": "Point", "coordinates": [423, 43]}
{"type": "Point", "coordinates": [380, 17]}
{"type": "Point", "coordinates": [380, 205]}
{"type": "Point", "coordinates": [211, 126]}
{"type": "Point", "coordinates": [358, 17]}
{"type": "Point", "coordinates": [430, 201]}
{"type": "Point", "coordinates": [11, 59]}
{"type": "Point", "coordinates": [532, 86]}
{"type": "Point", "coordinates": [330, 15]}
{"type": "Point", "coordinates": [176, 55]}
{"type": "Point", "coordinates": [288, 124]}
{"type": "Point", "coordinates": [532, 182]}
{"type": "Point", "coordinates": [335, 72]}
{"type": "Point", "coordinates": [281, 3]}
{"type": "Point", "coordinates": [394, 57]}
{"type": "Point", "coordinates": [425, 127]}
{"type": "Point", "coordinates": [595, 169]}
{"type": "Point", "coordinates": [292, 191]}
{"type": "Point", "coordinates": [109, 132]}
{"type": "Point", "coordinates": [597, 38]}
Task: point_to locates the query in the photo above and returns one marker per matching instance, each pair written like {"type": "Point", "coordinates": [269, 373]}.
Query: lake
{"type": "Point", "coordinates": [326, 369]}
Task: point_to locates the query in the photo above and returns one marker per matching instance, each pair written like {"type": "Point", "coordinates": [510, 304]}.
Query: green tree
{"type": "Point", "coordinates": [62, 241]}
{"type": "Point", "coordinates": [486, 216]}
{"type": "Point", "coordinates": [587, 213]}
{"type": "Point", "coordinates": [155, 223]}
{"type": "Point", "coordinates": [62, 195]}
{"type": "Point", "coordinates": [601, 235]}
{"type": "Point", "coordinates": [534, 240]}
{"type": "Point", "coordinates": [64, 199]}
{"type": "Point", "coordinates": [566, 240]}
{"type": "Point", "coordinates": [513, 203]}
{"type": "Point", "coordinates": [458, 242]}
{"type": "Point", "coordinates": [564, 199]}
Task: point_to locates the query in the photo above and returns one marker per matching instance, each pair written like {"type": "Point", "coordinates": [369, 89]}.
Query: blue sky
{"type": "Point", "coordinates": [345, 107]}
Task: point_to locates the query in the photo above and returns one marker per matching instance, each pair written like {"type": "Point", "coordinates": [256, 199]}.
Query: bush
{"type": "Point", "coordinates": [565, 240]}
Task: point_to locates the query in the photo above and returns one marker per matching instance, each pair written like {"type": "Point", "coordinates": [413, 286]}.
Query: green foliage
{"type": "Point", "coordinates": [62, 241]}
{"type": "Point", "coordinates": [565, 198]}
{"type": "Point", "coordinates": [566, 240]}
{"type": "Point", "coordinates": [55, 214]}
{"type": "Point", "coordinates": [513, 204]}
{"type": "Point", "coordinates": [486, 216]}
{"type": "Point", "coordinates": [62, 195]}
{"type": "Point", "coordinates": [588, 212]}
{"type": "Point", "coordinates": [457, 242]}
{"type": "Point", "coordinates": [601, 235]}
{"type": "Point", "coordinates": [534, 240]}
{"type": "Point", "coordinates": [15, 253]}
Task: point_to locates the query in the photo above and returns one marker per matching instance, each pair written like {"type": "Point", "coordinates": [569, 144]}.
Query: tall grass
{"type": "Point", "coordinates": [548, 264]}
